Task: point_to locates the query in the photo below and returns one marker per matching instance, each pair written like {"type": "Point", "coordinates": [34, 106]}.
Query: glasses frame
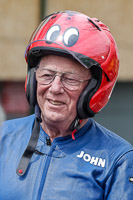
{"type": "Point", "coordinates": [62, 79]}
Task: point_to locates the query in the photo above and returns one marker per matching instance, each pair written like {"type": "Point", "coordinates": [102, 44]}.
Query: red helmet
{"type": "Point", "coordinates": [85, 39]}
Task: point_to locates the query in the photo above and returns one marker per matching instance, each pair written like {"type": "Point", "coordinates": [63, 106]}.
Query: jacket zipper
{"type": "Point", "coordinates": [47, 163]}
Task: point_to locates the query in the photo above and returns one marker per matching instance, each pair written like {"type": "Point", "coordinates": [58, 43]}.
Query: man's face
{"type": "Point", "coordinates": [57, 103]}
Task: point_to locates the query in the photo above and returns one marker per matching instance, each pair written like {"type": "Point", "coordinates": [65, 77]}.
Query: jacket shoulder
{"type": "Point", "coordinates": [109, 138]}
{"type": "Point", "coordinates": [16, 125]}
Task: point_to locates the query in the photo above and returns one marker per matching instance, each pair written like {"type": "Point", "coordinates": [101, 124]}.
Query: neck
{"type": "Point", "coordinates": [58, 129]}
{"type": "Point", "coordinates": [55, 130]}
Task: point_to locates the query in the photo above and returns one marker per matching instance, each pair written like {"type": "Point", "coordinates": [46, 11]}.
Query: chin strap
{"type": "Point", "coordinates": [31, 147]}
{"type": "Point", "coordinates": [75, 125]}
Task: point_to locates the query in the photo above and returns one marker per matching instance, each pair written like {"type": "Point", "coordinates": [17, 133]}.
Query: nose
{"type": "Point", "coordinates": [56, 85]}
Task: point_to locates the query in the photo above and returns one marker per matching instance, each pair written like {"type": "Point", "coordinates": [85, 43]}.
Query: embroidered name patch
{"type": "Point", "coordinates": [91, 159]}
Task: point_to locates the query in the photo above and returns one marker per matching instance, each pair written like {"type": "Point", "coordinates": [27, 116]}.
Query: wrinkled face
{"type": "Point", "coordinates": [57, 103]}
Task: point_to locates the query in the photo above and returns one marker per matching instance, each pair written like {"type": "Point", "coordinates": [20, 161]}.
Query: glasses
{"type": "Point", "coordinates": [69, 80]}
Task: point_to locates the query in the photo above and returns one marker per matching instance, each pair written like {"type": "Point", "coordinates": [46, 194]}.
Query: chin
{"type": "Point", "coordinates": [54, 117]}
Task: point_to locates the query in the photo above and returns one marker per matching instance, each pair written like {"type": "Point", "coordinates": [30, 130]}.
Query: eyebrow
{"type": "Point", "coordinates": [59, 71]}
{"type": "Point", "coordinates": [75, 73]}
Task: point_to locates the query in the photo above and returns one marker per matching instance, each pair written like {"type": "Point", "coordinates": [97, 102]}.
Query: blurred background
{"type": "Point", "coordinates": [18, 19]}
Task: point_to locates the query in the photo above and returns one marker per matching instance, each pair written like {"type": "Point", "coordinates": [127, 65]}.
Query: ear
{"type": "Point", "coordinates": [83, 109]}
{"type": "Point", "coordinates": [31, 87]}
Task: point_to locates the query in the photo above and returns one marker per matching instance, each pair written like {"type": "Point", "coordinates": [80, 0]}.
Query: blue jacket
{"type": "Point", "coordinates": [96, 165]}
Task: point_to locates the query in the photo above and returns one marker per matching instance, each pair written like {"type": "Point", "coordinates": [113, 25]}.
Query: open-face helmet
{"type": "Point", "coordinates": [87, 40]}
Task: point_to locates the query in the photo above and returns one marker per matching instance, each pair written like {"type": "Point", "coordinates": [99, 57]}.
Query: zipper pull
{"type": "Point", "coordinates": [48, 141]}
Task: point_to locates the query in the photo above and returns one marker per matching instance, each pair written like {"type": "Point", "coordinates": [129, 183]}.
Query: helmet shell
{"type": "Point", "coordinates": [85, 39]}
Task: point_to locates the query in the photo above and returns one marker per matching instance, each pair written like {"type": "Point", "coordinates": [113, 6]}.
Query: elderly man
{"type": "Point", "coordinates": [60, 152]}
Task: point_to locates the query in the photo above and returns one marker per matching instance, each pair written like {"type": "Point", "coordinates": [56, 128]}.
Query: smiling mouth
{"type": "Point", "coordinates": [56, 103]}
